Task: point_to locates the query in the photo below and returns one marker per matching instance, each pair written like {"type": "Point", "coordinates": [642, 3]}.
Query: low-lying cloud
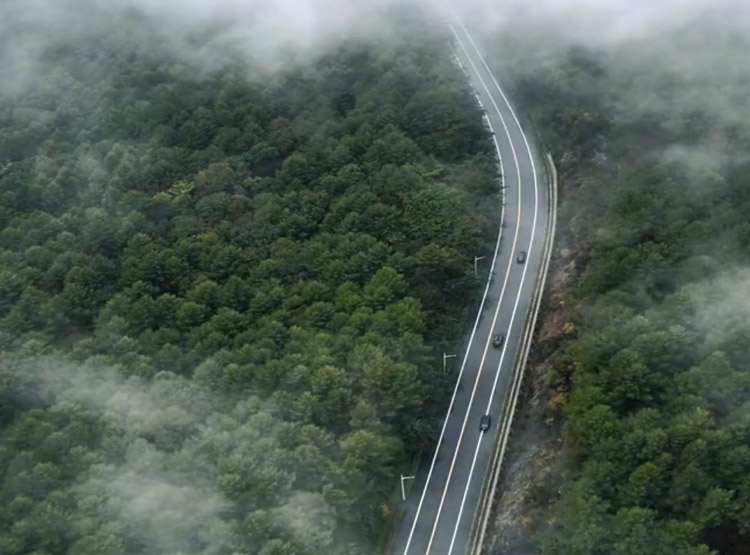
{"type": "Point", "coordinates": [171, 456]}
{"type": "Point", "coordinates": [701, 43]}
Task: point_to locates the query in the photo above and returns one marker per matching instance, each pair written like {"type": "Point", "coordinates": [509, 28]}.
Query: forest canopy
{"type": "Point", "coordinates": [222, 292]}
{"type": "Point", "coordinates": [652, 374]}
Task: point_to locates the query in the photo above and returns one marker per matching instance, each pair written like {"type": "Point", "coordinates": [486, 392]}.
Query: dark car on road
{"type": "Point", "coordinates": [484, 423]}
{"type": "Point", "coordinates": [521, 258]}
{"type": "Point", "coordinates": [497, 340]}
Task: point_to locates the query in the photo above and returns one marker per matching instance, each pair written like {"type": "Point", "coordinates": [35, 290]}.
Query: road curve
{"type": "Point", "coordinates": [441, 506]}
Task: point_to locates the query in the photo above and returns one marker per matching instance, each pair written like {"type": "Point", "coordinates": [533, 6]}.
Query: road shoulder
{"type": "Point", "coordinates": [533, 468]}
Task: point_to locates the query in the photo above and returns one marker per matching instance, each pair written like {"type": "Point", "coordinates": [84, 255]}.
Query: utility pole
{"type": "Point", "coordinates": [445, 361]}
{"type": "Point", "coordinates": [477, 259]}
{"type": "Point", "coordinates": [403, 491]}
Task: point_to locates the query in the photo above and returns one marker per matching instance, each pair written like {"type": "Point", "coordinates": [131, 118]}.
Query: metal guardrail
{"type": "Point", "coordinates": [492, 474]}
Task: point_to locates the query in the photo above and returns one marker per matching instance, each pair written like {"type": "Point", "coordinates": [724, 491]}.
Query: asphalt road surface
{"type": "Point", "coordinates": [442, 502]}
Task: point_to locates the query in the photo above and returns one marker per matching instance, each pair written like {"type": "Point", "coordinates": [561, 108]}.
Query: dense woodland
{"type": "Point", "coordinates": [654, 376]}
{"type": "Point", "coordinates": [223, 292]}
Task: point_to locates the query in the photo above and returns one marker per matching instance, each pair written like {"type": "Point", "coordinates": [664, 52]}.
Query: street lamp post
{"type": "Point", "coordinates": [445, 361]}
{"type": "Point", "coordinates": [477, 259]}
{"type": "Point", "coordinates": [403, 491]}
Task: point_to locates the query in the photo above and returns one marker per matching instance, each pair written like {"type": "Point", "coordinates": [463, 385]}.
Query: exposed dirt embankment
{"type": "Point", "coordinates": [532, 468]}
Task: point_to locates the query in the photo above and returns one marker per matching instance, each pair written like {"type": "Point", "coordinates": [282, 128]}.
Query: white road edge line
{"type": "Point", "coordinates": [489, 403]}
{"type": "Point", "coordinates": [471, 338]}
{"type": "Point", "coordinates": [499, 301]}
{"type": "Point", "coordinates": [518, 296]}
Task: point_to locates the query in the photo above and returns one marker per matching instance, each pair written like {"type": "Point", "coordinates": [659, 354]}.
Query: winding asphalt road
{"type": "Point", "coordinates": [442, 503]}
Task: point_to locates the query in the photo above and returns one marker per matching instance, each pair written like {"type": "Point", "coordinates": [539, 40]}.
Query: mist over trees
{"type": "Point", "coordinates": [652, 376]}
{"type": "Point", "coordinates": [227, 267]}
{"type": "Point", "coordinates": [221, 296]}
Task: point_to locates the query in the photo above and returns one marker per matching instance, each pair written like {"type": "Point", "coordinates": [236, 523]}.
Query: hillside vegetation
{"type": "Point", "coordinates": [654, 372]}
{"type": "Point", "coordinates": [222, 292]}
